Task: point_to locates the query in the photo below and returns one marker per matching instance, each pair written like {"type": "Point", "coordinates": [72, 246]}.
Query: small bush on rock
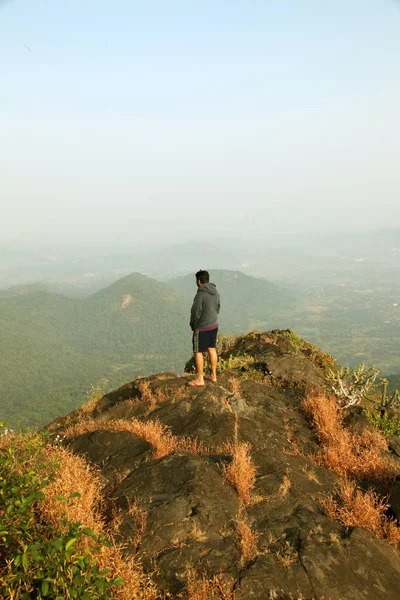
{"type": "Point", "coordinates": [355, 508]}
{"type": "Point", "coordinates": [352, 386]}
{"type": "Point", "coordinates": [384, 422]}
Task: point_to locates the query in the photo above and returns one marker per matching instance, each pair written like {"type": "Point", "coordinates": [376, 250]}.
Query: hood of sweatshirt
{"type": "Point", "coordinates": [209, 288]}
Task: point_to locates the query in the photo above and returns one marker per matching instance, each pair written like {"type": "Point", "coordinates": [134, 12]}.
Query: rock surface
{"type": "Point", "coordinates": [192, 512]}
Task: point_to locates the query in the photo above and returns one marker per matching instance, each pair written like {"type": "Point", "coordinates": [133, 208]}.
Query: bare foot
{"type": "Point", "coordinates": [209, 378]}
{"type": "Point", "coordinates": [196, 383]}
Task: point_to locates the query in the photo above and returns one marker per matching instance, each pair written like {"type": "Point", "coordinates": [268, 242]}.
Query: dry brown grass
{"type": "Point", "coordinates": [311, 475]}
{"type": "Point", "coordinates": [203, 588]}
{"type": "Point", "coordinates": [156, 434]}
{"type": "Point", "coordinates": [196, 533]}
{"type": "Point", "coordinates": [153, 398]}
{"type": "Point", "coordinates": [315, 531]}
{"type": "Point", "coordinates": [272, 539]}
{"type": "Point", "coordinates": [247, 540]}
{"type": "Point", "coordinates": [355, 508]}
{"type": "Point", "coordinates": [285, 485]}
{"type": "Point", "coordinates": [344, 452]}
{"type": "Point", "coordinates": [241, 473]}
{"type": "Point", "coordinates": [73, 476]}
{"type": "Point", "coordinates": [234, 384]}
{"type": "Point", "coordinates": [145, 391]}
{"type": "Point", "coordinates": [288, 556]}
{"type": "Point", "coordinates": [139, 517]}
{"type": "Point", "coordinates": [89, 406]}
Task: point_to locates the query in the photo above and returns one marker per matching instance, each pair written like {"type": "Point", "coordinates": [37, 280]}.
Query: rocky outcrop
{"type": "Point", "coordinates": [193, 515]}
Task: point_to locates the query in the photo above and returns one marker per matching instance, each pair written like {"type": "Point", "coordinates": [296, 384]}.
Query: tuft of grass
{"type": "Point", "coordinates": [311, 475]}
{"type": "Point", "coordinates": [203, 588]}
{"type": "Point", "coordinates": [93, 395]}
{"type": "Point", "coordinates": [139, 518]}
{"type": "Point", "coordinates": [247, 540]}
{"type": "Point", "coordinates": [241, 472]}
{"type": "Point", "coordinates": [285, 485]}
{"type": "Point", "coordinates": [346, 453]}
{"type": "Point", "coordinates": [196, 534]}
{"type": "Point", "coordinates": [288, 556]}
{"type": "Point", "coordinates": [272, 540]}
{"type": "Point", "coordinates": [354, 508]}
{"type": "Point", "coordinates": [153, 398]}
{"type": "Point", "coordinates": [235, 386]}
{"type": "Point", "coordinates": [296, 343]}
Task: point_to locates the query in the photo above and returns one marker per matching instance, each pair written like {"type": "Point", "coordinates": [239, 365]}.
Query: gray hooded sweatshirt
{"type": "Point", "coordinates": [205, 308]}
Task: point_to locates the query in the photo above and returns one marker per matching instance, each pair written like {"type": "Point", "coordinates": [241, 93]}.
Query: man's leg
{"type": "Point", "coordinates": [212, 353]}
{"type": "Point", "coordinates": [199, 362]}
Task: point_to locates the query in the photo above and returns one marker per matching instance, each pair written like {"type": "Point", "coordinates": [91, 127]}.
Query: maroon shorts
{"type": "Point", "coordinates": [202, 340]}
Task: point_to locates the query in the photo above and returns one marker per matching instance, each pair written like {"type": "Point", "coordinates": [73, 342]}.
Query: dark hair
{"type": "Point", "coordinates": [203, 276]}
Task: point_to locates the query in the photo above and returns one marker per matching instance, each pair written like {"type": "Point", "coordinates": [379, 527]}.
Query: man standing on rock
{"type": "Point", "coordinates": [204, 324]}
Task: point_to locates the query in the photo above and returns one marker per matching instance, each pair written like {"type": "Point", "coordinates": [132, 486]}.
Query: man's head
{"type": "Point", "coordinates": [202, 277]}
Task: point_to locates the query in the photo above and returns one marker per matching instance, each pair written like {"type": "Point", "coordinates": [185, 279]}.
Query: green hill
{"type": "Point", "coordinates": [140, 314]}
{"type": "Point", "coordinates": [39, 353]}
{"type": "Point", "coordinates": [53, 348]}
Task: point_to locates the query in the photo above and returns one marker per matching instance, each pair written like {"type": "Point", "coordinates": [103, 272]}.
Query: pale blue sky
{"type": "Point", "coordinates": [137, 120]}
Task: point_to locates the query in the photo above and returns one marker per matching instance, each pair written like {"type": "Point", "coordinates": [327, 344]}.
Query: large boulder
{"type": "Point", "coordinates": [192, 516]}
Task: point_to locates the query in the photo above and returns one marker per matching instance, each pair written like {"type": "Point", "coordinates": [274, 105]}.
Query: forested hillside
{"type": "Point", "coordinates": [54, 348]}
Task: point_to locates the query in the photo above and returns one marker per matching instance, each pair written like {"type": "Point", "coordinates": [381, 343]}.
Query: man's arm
{"type": "Point", "coordinates": [195, 313]}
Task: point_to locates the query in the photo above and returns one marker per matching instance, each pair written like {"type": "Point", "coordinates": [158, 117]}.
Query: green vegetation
{"type": "Point", "coordinates": [37, 558]}
{"type": "Point", "coordinates": [296, 343]}
{"type": "Point", "coordinates": [55, 348]}
{"type": "Point", "coordinates": [382, 420]}
{"type": "Point", "coordinates": [234, 362]}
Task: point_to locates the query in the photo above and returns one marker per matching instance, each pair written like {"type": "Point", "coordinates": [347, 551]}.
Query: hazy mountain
{"type": "Point", "coordinates": [23, 290]}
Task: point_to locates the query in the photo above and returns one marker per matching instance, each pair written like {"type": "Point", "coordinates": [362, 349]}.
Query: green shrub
{"type": "Point", "coordinates": [389, 425]}
{"type": "Point", "coordinates": [234, 362]}
{"type": "Point", "coordinates": [296, 343]}
{"type": "Point", "coordinates": [37, 560]}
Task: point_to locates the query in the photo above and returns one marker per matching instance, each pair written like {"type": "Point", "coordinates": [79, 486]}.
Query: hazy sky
{"type": "Point", "coordinates": [127, 120]}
